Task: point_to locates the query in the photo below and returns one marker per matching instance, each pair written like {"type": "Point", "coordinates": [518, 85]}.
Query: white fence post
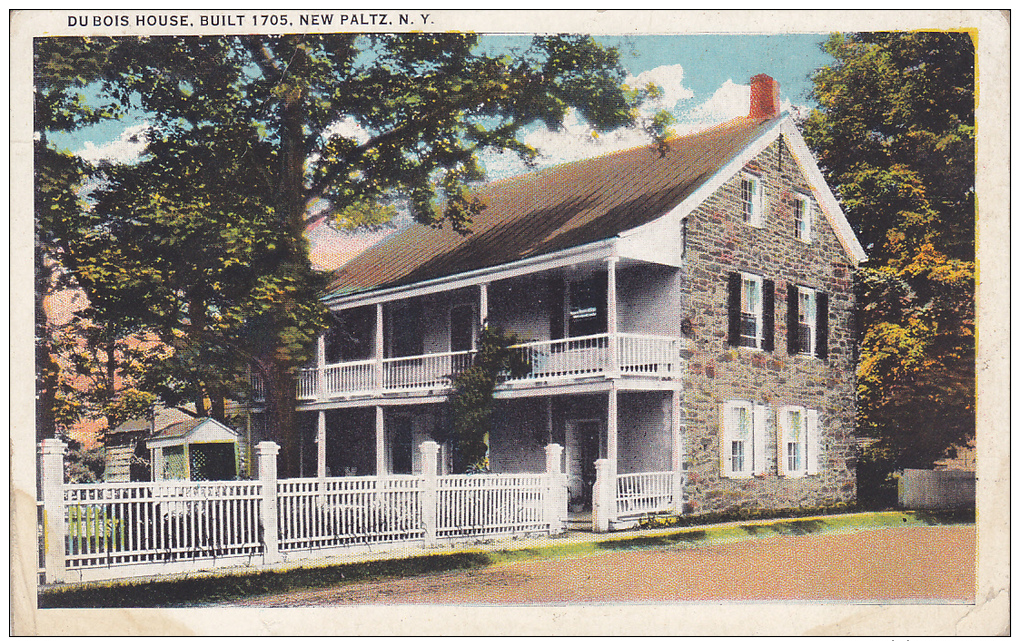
{"type": "Point", "coordinates": [555, 489]}
{"type": "Point", "coordinates": [267, 451]}
{"type": "Point", "coordinates": [54, 527]}
{"type": "Point", "coordinates": [603, 495]}
{"type": "Point", "coordinates": [429, 508]}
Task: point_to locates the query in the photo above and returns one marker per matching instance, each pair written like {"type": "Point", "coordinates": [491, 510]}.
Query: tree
{"type": "Point", "coordinates": [894, 135]}
{"type": "Point", "coordinates": [246, 131]}
{"type": "Point", "coordinates": [62, 68]}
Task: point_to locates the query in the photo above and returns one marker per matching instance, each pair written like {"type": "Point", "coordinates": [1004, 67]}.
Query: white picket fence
{"type": "Point", "coordinates": [112, 524]}
{"type": "Point", "coordinates": [116, 530]}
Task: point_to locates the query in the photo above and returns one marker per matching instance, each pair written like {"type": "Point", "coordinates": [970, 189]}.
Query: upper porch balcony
{"type": "Point", "coordinates": [580, 323]}
{"type": "Point", "coordinates": [562, 360]}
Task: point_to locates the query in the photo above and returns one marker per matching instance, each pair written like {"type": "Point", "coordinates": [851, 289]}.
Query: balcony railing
{"type": "Point", "coordinates": [578, 357]}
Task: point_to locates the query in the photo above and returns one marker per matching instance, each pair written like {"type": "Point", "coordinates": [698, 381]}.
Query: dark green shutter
{"type": "Point", "coordinates": [792, 319]}
{"type": "Point", "coordinates": [734, 309]}
{"type": "Point", "coordinates": [768, 336]}
{"type": "Point", "coordinates": [822, 328]}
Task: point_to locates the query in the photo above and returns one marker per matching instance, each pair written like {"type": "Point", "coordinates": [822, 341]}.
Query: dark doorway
{"type": "Point", "coordinates": [583, 448]}
{"type": "Point", "coordinates": [401, 443]}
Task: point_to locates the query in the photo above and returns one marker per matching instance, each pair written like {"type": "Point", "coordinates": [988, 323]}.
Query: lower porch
{"type": "Point", "coordinates": [635, 435]}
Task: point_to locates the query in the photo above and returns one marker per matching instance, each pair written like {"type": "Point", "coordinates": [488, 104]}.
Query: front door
{"type": "Point", "coordinates": [583, 448]}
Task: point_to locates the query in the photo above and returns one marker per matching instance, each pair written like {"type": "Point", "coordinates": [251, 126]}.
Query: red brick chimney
{"type": "Point", "coordinates": [764, 97]}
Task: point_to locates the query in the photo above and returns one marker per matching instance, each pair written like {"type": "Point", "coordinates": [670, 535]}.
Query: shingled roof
{"type": "Point", "coordinates": [557, 208]}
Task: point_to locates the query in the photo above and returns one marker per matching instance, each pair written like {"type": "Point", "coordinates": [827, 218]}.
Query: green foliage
{"type": "Point", "coordinates": [83, 465]}
{"type": "Point", "coordinates": [895, 138]}
{"type": "Point", "coordinates": [200, 241]}
{"type": "Point", "coordinates": [743, 514]}
{"type": "Point", "coordinates": [471, 395]}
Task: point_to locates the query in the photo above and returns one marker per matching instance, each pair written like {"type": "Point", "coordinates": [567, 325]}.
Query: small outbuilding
{"type": "Point", "coordinates": [199, 449]}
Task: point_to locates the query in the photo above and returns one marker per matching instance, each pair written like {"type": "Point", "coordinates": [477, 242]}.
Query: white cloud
{"type": "Point", "coordinates": [670, 79]}
{"type": "Point", "coordinates": [729, 101]}
{"type": "Point", "coordinates": [128, 147]}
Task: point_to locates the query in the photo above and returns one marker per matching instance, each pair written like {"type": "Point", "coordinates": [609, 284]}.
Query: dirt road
{"type": "Point", "coordinates": [927, 563]}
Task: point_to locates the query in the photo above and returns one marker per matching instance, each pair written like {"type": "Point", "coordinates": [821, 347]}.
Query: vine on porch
{"type": "Point", "coordinates": [471, 396]}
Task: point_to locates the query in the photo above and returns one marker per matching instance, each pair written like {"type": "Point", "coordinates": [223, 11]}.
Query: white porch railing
{"type": "Point", "coordinates": [644, 493]}
{"type": "Point", "coordinates": [428, 371]}
{"type": "Point", "coordinates": [116, 530]}
{"type": "Point", "coordinates": [635, 355]}
{"type": "Point", "coordinates": [619, 497]}
{"type": "Point", "coordinates": [342, 378]}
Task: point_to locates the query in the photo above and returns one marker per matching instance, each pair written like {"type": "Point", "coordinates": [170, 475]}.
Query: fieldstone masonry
{"type": "Point", "coordinates": [719, 242]}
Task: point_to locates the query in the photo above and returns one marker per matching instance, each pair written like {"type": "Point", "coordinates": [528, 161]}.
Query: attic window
{"type": "Point", "coordinates": [752, 200]}
{"type": "Point", "coordinates": [802, 218]}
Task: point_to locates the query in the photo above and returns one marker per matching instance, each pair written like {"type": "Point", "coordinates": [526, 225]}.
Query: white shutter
{"type": "Point", "coordinates": [784, 426]}
{"type": "Point", "coordinates": [814, 449]}
{"type": "Point", "coordinates": [760, 439]}
{"type": "Point", "coordinates": [726, 430]}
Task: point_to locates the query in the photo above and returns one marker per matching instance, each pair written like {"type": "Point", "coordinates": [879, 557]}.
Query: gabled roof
{"type": "Point", "coordinates": [183, 428]}
{"type": "Point", "coordinates": [560, 207]}
{"type": "Point", "coordinates": [566, 206]}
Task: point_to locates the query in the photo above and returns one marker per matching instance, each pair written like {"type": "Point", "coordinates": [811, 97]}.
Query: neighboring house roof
{"type": "Point", "coordinates": [180, 431]}
{"type": "Point", "coordinates": [575, 204]}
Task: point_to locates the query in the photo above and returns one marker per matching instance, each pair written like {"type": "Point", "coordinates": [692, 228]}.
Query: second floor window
{"type": "Point", "coordinates": [586, 313]}
{"type": "Point", "coordinates": [751, 311]}
{"type": "Point", "coordinates": [807, 321]}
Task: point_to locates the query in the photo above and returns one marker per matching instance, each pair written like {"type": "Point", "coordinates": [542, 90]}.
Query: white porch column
{"type": "Point", "coordinates": [320, 439]}
{"type": "Point", "coordinates": [611, 428]}
{"type": "Point", "coordinates": [676, 420]}
{"type": "Point", "coordinates": [379, 346]}
{"type": "Point", "coordinates": [380, 442]}
{"type": "Point", "coordinates": [611, 329]}
{"type": "Point", "coordinates": [51, 470]}
{"type": "Point", "coordinates": [483, 305]}
{"type": "Point", "coordinates": [320, 367]}
{"type": "Point", "coordinates": [603, 496]}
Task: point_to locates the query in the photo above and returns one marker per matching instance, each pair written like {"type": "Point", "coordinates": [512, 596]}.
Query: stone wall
{"type": "Point", "coordinates": [719, 242]}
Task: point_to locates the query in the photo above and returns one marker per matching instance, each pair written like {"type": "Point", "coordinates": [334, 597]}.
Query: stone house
{"type": "Point", "coordinates": [686, 310]}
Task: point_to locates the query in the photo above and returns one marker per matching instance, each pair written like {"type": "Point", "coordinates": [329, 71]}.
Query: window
{"type": "Point", "coordinates": [807, 321]}
{"type": "Point", "coordinates": [405, 329]}
{"type": "Point", "coordinates": [743, 444]}
{"type": "Point", "coordinates": [463, 320]}
{"type": "Point", "coordinates": [752, 200]}
{"type": "Point", "coordinates": [586, 313]}
{"type": "Point", "coordinates": [802, 218]}
{"type": "Point", "coordinates": [798, 441]}
{"type": "Point", "coordinates": [751, 311]}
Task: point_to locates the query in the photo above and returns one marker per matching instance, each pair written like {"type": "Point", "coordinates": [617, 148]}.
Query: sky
{"type": "Point", "coordinates": [704, 78]}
